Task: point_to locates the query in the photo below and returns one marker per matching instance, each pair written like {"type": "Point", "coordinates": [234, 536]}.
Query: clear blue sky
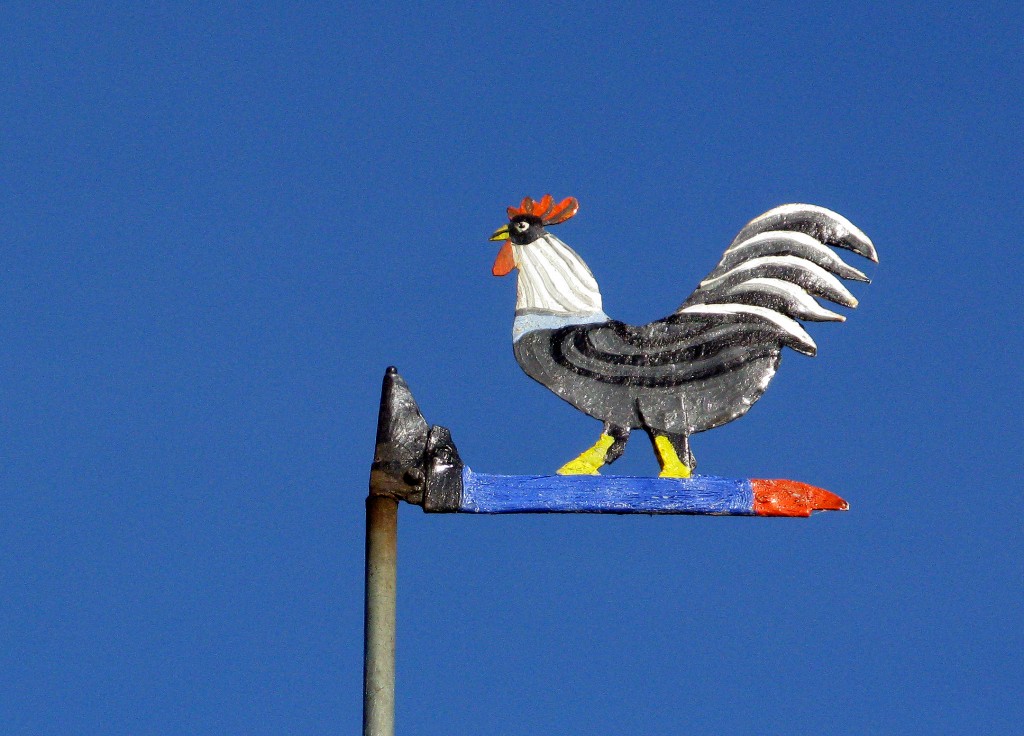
{"type": "Point", "coordinates": [220, 225]}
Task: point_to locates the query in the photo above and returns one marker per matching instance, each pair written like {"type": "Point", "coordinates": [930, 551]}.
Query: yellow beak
{"type": "Point", "coordinates": [501, 233]}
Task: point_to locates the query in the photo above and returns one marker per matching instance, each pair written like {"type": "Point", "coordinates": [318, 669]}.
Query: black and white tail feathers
{"type": "Point", "coordinates": [776, 266]}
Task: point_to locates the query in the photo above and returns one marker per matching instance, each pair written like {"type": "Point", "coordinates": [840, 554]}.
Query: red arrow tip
{"type": "Point", "coordinates": [792, 498]}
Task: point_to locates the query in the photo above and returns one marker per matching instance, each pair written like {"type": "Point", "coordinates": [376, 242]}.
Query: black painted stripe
{"type": "Point", "coordinates": [689, 352]}
{"type": "Point", "coordinates": [690, 363]}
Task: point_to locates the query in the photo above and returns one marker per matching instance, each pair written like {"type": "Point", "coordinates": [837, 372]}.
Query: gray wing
{"type": "Point", "coordinates": [776, 267]}
{"type": "Point", "coordinates": [683, 374]}
{"type": "Point", "coordinates": [681, 349]}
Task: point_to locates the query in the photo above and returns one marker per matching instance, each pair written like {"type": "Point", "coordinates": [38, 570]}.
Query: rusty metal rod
{"type": "Point", "coordinates": [379, 631]}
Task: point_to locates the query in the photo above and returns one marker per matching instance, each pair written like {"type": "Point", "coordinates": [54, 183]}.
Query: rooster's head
{"type": "Point", "coordinates": [526, 224]}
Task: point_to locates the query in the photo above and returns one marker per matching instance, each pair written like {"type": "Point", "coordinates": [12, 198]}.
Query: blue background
{"type": "Point", "coordinates": [220, 224]}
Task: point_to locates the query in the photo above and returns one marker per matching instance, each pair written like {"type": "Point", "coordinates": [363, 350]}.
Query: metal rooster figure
{"type": "Point", "coordinates": [699, 368]}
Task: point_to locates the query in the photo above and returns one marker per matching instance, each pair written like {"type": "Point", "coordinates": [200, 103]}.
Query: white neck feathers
{"type": "Point", "coordinates": [553, 279]}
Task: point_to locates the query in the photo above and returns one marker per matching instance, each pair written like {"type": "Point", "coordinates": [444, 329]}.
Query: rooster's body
{"type": "Point", "coordinates": [700, 367]}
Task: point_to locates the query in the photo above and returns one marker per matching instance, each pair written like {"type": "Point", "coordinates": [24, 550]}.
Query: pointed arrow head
{"type": "Point", "coordinates": [792, 498]}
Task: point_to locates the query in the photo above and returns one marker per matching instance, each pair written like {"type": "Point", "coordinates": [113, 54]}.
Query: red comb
{"type": "Point", "coordinates": [546, 209]}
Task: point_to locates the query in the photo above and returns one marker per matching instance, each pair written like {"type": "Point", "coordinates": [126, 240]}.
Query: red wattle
{"type": "Point", "coordinates": [504, 263]}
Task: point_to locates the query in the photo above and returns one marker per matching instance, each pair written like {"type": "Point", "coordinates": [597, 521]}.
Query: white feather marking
{"type": "Point", "coordinates": [798, 295]}
{"type": "Point", "coordinates": [800, 264]}
{"type": "Point", "coordinates": [788, 209]}
{"type": "Point", "coordinates": [790, 326]}
{"type": "Point", "coordinates": [792, 235]}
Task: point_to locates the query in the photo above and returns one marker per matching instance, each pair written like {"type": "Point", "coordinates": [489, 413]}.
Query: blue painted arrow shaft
{"type": "Point", "coordinates": [483, 493]}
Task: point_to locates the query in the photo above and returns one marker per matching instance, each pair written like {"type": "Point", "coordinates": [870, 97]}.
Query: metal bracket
{"type": "Point", "coordinates": [412, 461]}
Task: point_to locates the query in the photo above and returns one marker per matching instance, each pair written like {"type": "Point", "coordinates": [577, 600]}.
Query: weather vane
{"type": "Point", "coordinates": [701, 367]}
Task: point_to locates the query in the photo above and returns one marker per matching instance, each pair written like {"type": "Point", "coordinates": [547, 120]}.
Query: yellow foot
{"type": "Point", "coordinates": [579, 466]}
{"type": "Point", "coordinates": [671, 465]}
{"type": "Point", "coordinates": [589, 461]}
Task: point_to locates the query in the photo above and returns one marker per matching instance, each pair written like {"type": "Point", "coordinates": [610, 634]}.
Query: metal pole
{"type": "Point", "coordinates": [379, 632]}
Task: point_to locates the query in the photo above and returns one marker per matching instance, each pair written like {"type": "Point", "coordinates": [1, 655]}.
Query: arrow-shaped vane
{"type": "Point", "coordinates": [419, 464]}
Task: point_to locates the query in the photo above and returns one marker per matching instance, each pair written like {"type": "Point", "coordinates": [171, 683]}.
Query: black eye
{"type": "Point", "coordinates": [522, 226]}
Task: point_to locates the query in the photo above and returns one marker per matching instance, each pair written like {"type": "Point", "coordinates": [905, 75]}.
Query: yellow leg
{"type": "Point", "coordinates": [671, 465]}
{"type": "Point", "coordinates": [589, 461]}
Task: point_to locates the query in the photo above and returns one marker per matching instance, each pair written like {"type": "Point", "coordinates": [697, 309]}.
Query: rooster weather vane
{"type": "Point", "coordinates": [697, 369]}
